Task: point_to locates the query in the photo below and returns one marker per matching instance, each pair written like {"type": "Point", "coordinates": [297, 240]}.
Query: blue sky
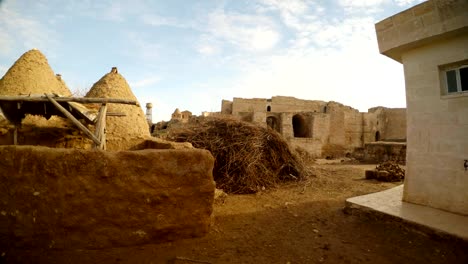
{"type": "Point", "coordinates": [192, 54]}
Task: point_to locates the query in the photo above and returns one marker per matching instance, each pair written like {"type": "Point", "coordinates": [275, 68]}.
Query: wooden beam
{"type": "Point", "coordinates": [74, 120]}
{"type": "Point", "coordinates": [100, 132]}
{"type": "Point", "coordinates": [15, 136]}
{"type": "Point", "coordinates": [83, 112]}
{"type": "Point", "coordinates": [69, 99]}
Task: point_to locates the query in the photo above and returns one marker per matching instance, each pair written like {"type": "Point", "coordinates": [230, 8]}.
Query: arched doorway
{"type": "Point", "coordinates": [268, 108]}
{"type": "Point", "coordinates": [377, 136]}
{"type": "Point", "coordinates": [300, 126]}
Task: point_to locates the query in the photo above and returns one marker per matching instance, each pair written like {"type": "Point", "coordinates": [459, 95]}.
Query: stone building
{"type": "Point", "coordinates": [431, 41]}
{"type": "Point", "coordinates": [183, 116]}
{"type": "Point", "coordinates": [322, 128]}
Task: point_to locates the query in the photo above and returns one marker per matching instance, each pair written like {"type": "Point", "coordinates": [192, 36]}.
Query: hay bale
{"type": "Point", "coordinates": [121, 132]}
{"type": "Point", "coordinates": [248, 157]}
{"type": "Point", "coordinates": [31, 74]}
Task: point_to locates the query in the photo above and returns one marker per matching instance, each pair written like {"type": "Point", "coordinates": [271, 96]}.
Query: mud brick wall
{"type": "Point", "coordinates": [69, 198]}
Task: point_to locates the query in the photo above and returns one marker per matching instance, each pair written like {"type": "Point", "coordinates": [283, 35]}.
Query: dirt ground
{"type": "Point", "coordinates": [299, 222]}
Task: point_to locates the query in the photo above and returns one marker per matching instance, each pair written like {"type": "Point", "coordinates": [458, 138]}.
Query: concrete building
{"type": "Point", "coordinates": [431, 41]}
{"type": "Point", "coordinates": [324, 129]}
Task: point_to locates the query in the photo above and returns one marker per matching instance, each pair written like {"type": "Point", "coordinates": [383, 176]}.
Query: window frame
{"type": "Point", "coordinates": [457, 77]}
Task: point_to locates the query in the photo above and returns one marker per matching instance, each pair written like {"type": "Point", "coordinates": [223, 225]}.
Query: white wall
{"type": "Point", "coordinates": [437, 129]}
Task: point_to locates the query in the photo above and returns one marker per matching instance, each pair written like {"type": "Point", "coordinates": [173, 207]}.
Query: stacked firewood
{"type": "Point", "coordinates": [387, 171]}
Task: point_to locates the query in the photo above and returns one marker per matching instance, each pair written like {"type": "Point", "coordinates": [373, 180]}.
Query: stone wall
{"type": "Point", "coordinates": [312, 146]}
{"type": "Point", "coordinates": [395, 124]}
{"type": "Point", "coordinates": [353, 126]}
{"type": "Point", "coordinates": [337, 128]}
{"type": "Point", "coordinates": [321, 127]}
{"type": "Point", "coordinates": [290, 104]}
{"type": "Point", "coordinates": [377, 152]}
{"type": "Point", "coordinates": [226, 107]}
{"type": "Point", "coordinates": [248, 105]}
{"type": "Point", "coordinates": [286, 125]}
{"type": "Point", "coordinates": [69, 198]}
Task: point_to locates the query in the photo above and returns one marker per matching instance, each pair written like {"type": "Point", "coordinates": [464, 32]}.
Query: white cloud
{"type": "Point", "coordinates": [207, 49]}
{"type": "Point", "coordinates": [19, 31]}
{"type": "Point", "coordinates": [145, 82]}
{"type": "Point", "coordinates": [208, 45]}
{"type": "Point", "coordinates": [156, 20]}
{"type": "Point", "coordinates": [352, 79]}
{"type": "Point", "coordinates": [361, 3]}
{"type": "Point", "coordinates": [108, 10]}
{"type": "Point", "coordinates": [373, 6]}
{"type": "Point", "coordinates": [296, 7]}
{"type": "Point", "coordinates": [114, 12]}
{"type": "Point", "coordinates": [247, 32]}
{"type": "Point", "coordinates": [3, 70]}
{"type": "Point", "coordinates": [6, 41]}
{"type": "Point", "coordinates": [408, 2]}
{"type": "Point", "coordinates": [337, 60]}
{"type": "Point", "coordinates": [141, 47]}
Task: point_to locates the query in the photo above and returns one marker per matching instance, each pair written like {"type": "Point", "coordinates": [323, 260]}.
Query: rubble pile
{"type": "Point", "coordinates": [387, 171]}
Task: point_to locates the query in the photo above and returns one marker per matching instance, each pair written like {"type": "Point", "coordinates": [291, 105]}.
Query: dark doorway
{"type": "Point", "coordinates": [377, 136]}
{"type": "Point", "coordinates": [268, 108]}
{"type": "Point", "coordinates": [300, 126]}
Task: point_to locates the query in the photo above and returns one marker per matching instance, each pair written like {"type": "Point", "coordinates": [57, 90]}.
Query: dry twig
{"type": "Point", "coordinates": [247, 157]}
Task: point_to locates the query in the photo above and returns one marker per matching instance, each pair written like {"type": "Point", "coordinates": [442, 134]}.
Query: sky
{"type": "Point", "coordinates": [192, 54]}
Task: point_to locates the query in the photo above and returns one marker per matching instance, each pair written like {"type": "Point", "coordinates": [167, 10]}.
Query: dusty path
{"type": "Point", "coordinates": [296, 223]}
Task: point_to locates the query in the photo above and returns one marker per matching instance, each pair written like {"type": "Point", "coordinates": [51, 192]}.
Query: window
{"type": "Point", "coordinates": [456, 79]}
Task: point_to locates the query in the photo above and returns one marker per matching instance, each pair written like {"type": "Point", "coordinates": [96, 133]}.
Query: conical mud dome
{"type": "Point", "coordinates": [121, 131]}
{"type": "Point", "coordinates": [31, 74]}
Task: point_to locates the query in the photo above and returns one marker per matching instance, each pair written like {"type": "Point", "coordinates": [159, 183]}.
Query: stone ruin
{"type": "Point", "coordinates": [326, 129]}
{"type": "Point", "coordinates": [183, 116]}
{"type": "Point", "coordinates": [60, 194]}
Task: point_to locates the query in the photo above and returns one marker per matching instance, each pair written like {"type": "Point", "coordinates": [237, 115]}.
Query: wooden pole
{"type": "Point", "coordinates": [15, 136]}
{"type": "Point", "coordinates": [68, 99]}
{"type": "Point", "coordinates": [101, 126]}
{"type": "Point", "coordinates": [74, 120]}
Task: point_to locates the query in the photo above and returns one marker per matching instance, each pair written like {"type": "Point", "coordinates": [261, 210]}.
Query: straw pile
{"type": "Point", "coordinates": [31, 74]}
{"type": "Point", "coordinates": [248, 158]}
{"type": "Point", "coordinates": [120, 130]}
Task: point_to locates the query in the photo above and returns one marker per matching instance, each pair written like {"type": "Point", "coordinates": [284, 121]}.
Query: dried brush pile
{"type": "Point", "coordinates": [248, 157]}
{"type": "Point", "coordinates": [387, 171]}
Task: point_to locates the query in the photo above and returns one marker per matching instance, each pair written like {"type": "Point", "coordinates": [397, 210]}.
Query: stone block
{"type": "Point", "coordinates": [403, 17]}
{"type": "Point", "coordinates": [370, 174]}
{"type": "Point", "coordinates": [384, 24]}
{"type": "Point", "coordinates": [423, 8]}
{"type": "Point", "coordinates": [69, 198]}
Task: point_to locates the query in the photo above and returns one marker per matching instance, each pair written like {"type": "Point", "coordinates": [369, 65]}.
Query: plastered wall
{"type": "Point", "coordinates": [437, 129]}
